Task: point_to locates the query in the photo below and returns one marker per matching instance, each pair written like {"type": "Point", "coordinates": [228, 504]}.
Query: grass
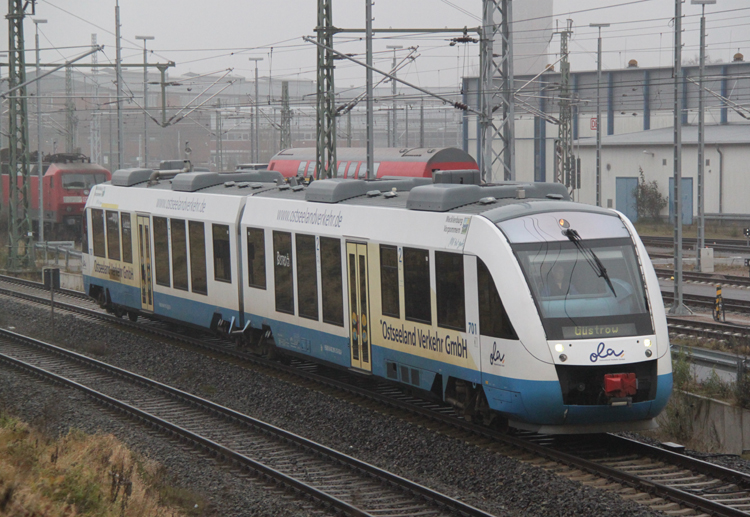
{"type": "Point", "coordinates": [83, 475]}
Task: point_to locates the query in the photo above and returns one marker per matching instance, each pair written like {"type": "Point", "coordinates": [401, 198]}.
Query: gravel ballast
{"type": "Point", "coordinates": [495, 483]}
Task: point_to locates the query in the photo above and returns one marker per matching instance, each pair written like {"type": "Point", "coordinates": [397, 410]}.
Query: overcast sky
{"type": "Point", "coordinates": [203, 37]}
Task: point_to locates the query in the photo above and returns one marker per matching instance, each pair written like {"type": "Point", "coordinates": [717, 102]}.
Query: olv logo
{"type": "Point", "coordinates": [602, 354]}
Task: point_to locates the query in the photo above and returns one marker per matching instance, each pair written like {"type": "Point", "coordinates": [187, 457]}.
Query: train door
{"type": "Point", "coordinates": [144, 253]}
{"type": "Point", "coordinates": [356, 254]}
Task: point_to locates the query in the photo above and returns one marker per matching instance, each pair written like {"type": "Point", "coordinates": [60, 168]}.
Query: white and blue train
{"type": "Point", "coordinates": [509, 301]}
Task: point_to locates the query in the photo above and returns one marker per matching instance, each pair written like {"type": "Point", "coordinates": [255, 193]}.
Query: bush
{"type": "Point", "coordinates": [649, 201]}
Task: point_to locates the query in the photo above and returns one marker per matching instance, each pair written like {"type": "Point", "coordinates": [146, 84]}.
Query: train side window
{"type": "Point", "coordinates": [301, 169]}
{"type": "Point", "coordinates": [493, 320]}
{"type": "Point", "coordinates": [331, 281]}
{"type": "Point", "coordinates": [127, 239]}
{"type": "Point", "coordinates": [113, 235]}
{"type": "Point", "coordinates": [389, 281]}
{"type": "Point", "coordinates": [310, 169]}
{"type": "Point", "coordinates": [222, 253]}
{"type": "Point", "coordinates": [161, 251]}
{"type": "Point", "coordinates": [307, 277]}
{"type": "Point", "coordinates": [449, 276]}
{"type": "Point", "coordinates": [197, 257]}
{"type": "Point", "coordinates": [417, 300]}
{"type": "Point", "coordinates": [341, 170]}
{"type": "Point", "coordinates": [97, 227]}
{"type": "Point", "coordinates": [179, 254]}
{"type": "Point", "coordinates": [256, 258]}
{"type": "Point", "coordinates": [282, 272]}
{"type": "Point", "coordinates": [375, 167]}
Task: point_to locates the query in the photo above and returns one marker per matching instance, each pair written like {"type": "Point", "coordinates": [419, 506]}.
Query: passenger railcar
{"type": "Point", "coordinates": [352, 162]}
{"type": "Point", "coordinates": [508, 301]}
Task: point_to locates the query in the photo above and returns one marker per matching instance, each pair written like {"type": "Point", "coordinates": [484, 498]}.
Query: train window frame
{"type": "Point", "coordinates": [390, 304]}
{"type": "Point", "coordinates": [160, 227]}
{"type": "Point", "coordinates": [493, 318]}
{"type": "Point", "coordinates": [307, 276]}
{"type": "Point", "coordinates": [283, 272]}
{"type": "Point", "coordinates": [112, 222]}
{"type": "Point", "coordinates": [417, 291]}
{"type": "Point", "coordinates": [222, 252]}
{"type": "Point", "coordinates": [178, 234]}
{"type": "Point", "coordinates": [198, 283]}
{"type": "Point", "coordinates": [332, 281]}
{"type": "Point", "coordinates": [99, 240]}
{"type": "Point", "coordinates": [450, 290]}
{"type": "Point", "coordinates": [126, 236]}
{"type": "Point", "coordinates": [256, 257]}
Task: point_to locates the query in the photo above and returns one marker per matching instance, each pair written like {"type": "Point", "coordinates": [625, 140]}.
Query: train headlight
{"type": "Point", "coordinates": [559, 347]}
{"type": "Point", "coordinates": [563, 357]}
{"type": "Point", "coordinates": [647, 343]}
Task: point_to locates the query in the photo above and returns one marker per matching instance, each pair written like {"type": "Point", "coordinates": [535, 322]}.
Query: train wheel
{"type": "Point", "coordinates": [132, 316]}
{"type": "Point", "coordinates": [102, 299]}
{"type": "Point", "coordinates": [118, 311]}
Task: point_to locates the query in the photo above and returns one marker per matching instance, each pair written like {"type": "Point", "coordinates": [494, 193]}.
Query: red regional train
{"type": "Point", "coordinates": [352, 161]}
{"type": "Point", "coordinates": [68, 178]}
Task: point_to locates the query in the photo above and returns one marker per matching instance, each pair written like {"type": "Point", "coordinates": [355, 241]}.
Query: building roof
{"type": "Point", "coordinates": [734, 134]}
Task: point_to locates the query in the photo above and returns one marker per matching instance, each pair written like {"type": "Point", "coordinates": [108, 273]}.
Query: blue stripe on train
{"type": "Point", "coordinates": [536, 402]}
{"type": "Point", "coordinates": [167, 305]}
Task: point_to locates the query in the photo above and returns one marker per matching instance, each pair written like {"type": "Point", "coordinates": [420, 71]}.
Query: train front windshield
{"type": "Point", "coordinates": [80, 181]}
{"type": "Point", "coordinates": [587, 289]}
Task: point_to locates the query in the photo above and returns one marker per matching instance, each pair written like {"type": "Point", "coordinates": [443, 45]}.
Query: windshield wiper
{"type": "Point", "coordinates": [590, 257]}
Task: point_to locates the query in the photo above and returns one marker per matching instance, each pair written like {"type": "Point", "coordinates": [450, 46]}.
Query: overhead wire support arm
{"type": "Point", "coordinates": [57, 67]}
{"type": "Point", "coordinates": [453, 103]}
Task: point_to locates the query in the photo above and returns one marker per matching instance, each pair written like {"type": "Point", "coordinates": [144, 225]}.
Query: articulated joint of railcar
{"type": "Point", "coordinates": [228, 329]}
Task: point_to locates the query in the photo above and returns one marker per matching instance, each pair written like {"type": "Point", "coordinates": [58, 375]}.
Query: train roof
{"type": "Point", "coordinates": [449, 191]}
{"type": "Point", "coordinates": [382, 154]}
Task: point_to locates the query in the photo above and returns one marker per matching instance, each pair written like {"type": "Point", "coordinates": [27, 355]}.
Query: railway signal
{"type": "Point", "coordinates": [719, 305]}
{"type": "Point", "coordinates": [746, 231]}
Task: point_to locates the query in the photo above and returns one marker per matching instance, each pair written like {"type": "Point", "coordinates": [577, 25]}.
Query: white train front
{"type": "Point", "coordinates": [508, 301]}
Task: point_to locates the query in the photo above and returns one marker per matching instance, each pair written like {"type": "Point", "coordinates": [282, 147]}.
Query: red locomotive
{"type": "Point", "coordinates": [68, 178]}
{"type": "Point", "coordinates": [352, 162]}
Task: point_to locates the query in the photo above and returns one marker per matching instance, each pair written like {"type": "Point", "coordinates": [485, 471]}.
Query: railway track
{"type": "Point", "coordinates": [728, 245]}
{"type": "Point", "coordinates": [706, 278]}
{"type": "Point", "coordinates": [663, 480]}
{"type": "Point", "coordinates": [318, 473]}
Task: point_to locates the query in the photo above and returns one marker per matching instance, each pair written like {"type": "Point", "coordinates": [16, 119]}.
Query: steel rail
{"type": "Point", "coordinates": [228, 415]}
{"type": "Point", "coordinates": [428, 410]}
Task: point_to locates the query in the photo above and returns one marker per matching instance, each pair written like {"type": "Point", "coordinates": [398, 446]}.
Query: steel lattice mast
{"type": "Point", "coordinates": [326, 108]}
{"type": "Point", "coordinates": [71, 121]}
{"type": "Point", "coordinates": [286, 117]}
{"type": "Point", "coordinates": [96, 131]}
{"type": "Point", "coordinates": [19, 223]}
{"type": "Point", "coordinates": [565, 166]}
{"type": "Point", "coordinates": [497, 68]}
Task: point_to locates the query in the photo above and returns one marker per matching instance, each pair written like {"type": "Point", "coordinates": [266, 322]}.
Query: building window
{"type": "Point", "coordinates": [197, 257]}
{"type": "Point", "coordinates": [417, 285]}
{"type": "Point", "coordinates": [97, 228]}
{"type": "Point", "coordinates": [389, 281]}
{"type": "Point", "coordinates": [127, 239]}
{"type": "Point", "coordinates": [161, 251]}
{"type": "Point", "coordinates": [307, 277]}
{"type": "Point", "coordinates": [493, 320]}
{"type": "Point", "coordinates": [449, 292]}
{"type": "Point", "coordinates": [222, 253]}
{"type": "Point", "coordinates": [331, 281]}
{"type": "Point", "coordinates": [256, 258]}
{"type": "Point", "coordinates": [113, 235]}
{"type": "Point", "coordinates": [282, 272]}
{"type": "Point", "coordinates": [179, 254]}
